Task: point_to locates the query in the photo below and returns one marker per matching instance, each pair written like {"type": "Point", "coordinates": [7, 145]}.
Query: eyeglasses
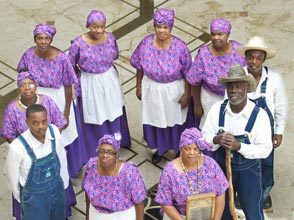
{"type": "Point", "coordinates": [102, 152]}
{"type": "Point", "coordinates": [31, 85]}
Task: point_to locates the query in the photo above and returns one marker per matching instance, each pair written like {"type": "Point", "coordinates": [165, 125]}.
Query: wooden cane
{"type": "Point", "coordinates": [231, 189]}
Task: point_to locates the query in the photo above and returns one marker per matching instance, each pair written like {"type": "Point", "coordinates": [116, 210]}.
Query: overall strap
{"type": "Point", "coordinates": [29, 150]}
{"type": "Point", "coordinates": [221, 118]}
{"type": "Point", "coordinates": [252, 119]}
{"type": "Point", "coordinates": [53, 142]}
{"type": "Point", "coordinates": [263, 85]}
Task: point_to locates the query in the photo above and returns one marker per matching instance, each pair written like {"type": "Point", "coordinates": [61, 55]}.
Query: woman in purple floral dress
{"type": "Point", "coordinates": [192, 173]}
{"type": "Point", "coordinates": [14, 123]}
{"type": "Point", "coordinates": [99, 95]}
{"type": "Point", "coordinates": [211, 62]}
{"type": "Point", "coordinates": [52, 71]}
{"type": "Point", "coordinates": [162, 61]}
{"type": "Point", "coordinates": [114, 189]}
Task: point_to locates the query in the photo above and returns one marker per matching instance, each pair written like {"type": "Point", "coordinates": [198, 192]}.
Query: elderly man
{"type": "Point", "coordinates": [236, 123]}
{"type": "Point", "coordinates": [271, 96]}
{"type": "Point", "coordinates": [36, 168]}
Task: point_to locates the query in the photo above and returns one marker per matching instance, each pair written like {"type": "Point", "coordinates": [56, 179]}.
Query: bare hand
{"type": "Point", "coordinates": [277, 140]}
{"type": "Point", "coordinates": [184, 100]}
{"type": "Point", "coordinates": [139, 92]}
{"type": "Point", "coordinates": [66, 115]}
{"type": "Point", "coordinates": [198, 111]}
{"type": "Point", "coordinates": [227, 140]}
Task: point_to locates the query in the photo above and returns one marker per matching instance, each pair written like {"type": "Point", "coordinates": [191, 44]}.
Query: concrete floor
{"type": "Point", "coordinates": [271, 19]}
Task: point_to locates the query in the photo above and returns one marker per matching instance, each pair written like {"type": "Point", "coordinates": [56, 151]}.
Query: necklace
{"type": "Point", "coordinates": [190, 183]}
{"type": "Point", "coordinates": [25, 106]}
{"type": "Point", "coordinates": [113, 171]}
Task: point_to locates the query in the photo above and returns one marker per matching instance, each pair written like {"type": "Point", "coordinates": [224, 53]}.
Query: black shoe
{"type": "Point", "coordinates": [267, 205]}
{"type": "Point", "coordinates": [156, 158]}
{"type": "Point", "coordinates": [237, 202]}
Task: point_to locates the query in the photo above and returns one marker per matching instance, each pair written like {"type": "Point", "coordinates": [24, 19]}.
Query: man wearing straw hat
{"type": "Point", "coordinates": [238, 125]}
{"type": "Point", "coordinates": [271, 96]}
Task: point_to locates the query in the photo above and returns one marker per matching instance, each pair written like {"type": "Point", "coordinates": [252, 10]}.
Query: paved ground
{"type": "Point", "coordinates": [271, 19]}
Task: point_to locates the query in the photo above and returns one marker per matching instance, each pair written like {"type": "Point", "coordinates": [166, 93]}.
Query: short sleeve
{"type": "Point", "coordinates": [220, 181]}
{"type": "Point", "coordinates": [23, 63]}
{"type": "Point", "coordinates": [195, 74]}
{"type": "Point", "coordinates": [164, 190]}
{"type": "Point", "coordinates": [55, 115]}
{"type": "Point", "coordinates": [69, 76]}
{"type": "Point", "coordinates": [74, 52]}
{"type": "Point", "coordinates": [114, 45]}
{"type": "Point", "coordinates": [138, 192]}
{"type": "Point", "coordinates": [9, 129]}
{"type": "Point", "coordinates": [185, 59]}
{"type": "Point", "coordinates": [136, 57]}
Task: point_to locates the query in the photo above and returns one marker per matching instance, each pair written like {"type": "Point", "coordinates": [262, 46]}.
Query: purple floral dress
{"type": "Point", "coordinates": [207, 68]}
{"type": "Point", "coordinates": [48, 73]}
{"type": "Point", "coordinates": [92, 58]}
{"type": "Point", "coordinates": [109, 194]}
{"type": "Point", "coordinates": [14, 122]}
{"type": "Point", "coordinates": [160, 65]}
{"type": "Point", "coordinates": [173, 187]}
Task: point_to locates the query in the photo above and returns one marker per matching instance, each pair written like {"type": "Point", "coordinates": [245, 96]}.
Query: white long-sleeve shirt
{"type": "Point", "coordinates": [260, 135]}
{"type": "Point", "coordinates": [18, 162]}
{"type": "Point", "coordinates": [276, 97]}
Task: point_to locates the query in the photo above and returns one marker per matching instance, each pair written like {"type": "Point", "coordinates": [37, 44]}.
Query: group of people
{"type": "Point", "coordinates": [240, 103]}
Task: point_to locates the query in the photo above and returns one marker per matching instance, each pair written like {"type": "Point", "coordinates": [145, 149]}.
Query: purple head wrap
{"type": "Point", "coordinates": [24, 75]}
{"type": "Point", "coordinates": [220, 25]}
{"type": "Point", "coordinates": [112, 139]}
{"type": "Point", "coordinates": [45, 29]}
{"type": "Point", "coordinates": [94, 16]}
{"type": "Point", "coordinates": [164, 16]}
{"type": "Point", "coordinates": [194, 136]}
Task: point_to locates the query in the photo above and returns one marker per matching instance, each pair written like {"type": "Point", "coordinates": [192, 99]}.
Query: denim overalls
{"type": "Point", "coordinates": [43, 195]}
{"type": "Point", "coordinates": [246, 173]}
{"type": "Point", "coordinates": [268, 163]}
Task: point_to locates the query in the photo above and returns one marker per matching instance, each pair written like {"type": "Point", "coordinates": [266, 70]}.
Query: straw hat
{"type": "Point", "coordinates": [238, 74]}
{"type": "Point", "coordinates": [257, 43]}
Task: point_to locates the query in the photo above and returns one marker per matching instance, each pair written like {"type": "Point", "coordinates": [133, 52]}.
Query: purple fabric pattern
{"type": "Point", "coordinates": [94, 16]}
{"type": "Point", "coordinates": [92, 58]}
{"type": "Point", "coordinates": [109, 194]}
{"type": "Point", "coordinates": [48, 73]}
{"type": "Point", "coordinates": [173, 187]}
{"type": "Point", "coordinates": [162, 66]}
{"type": "Point", "coordinates": [207, 68]}
{"type": "Point", "coordinates": [164, 16]}
{"type": "Point", "coordinates": [194, 136]}
{"type": "Point", "coordinates": [220, 25]}
{"type": "Point", "coordinates": [112, 139]}
{"type": "Point", "coordinates": [44, 29]}
{"type": "Point", "coordinates": [14, 121]}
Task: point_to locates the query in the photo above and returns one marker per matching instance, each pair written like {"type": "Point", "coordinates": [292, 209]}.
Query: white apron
{"type": "Point", "coordinates": [102, 97]}
{"type": "Point", "coordinates": [160, 103]}
{"type": "Point", "coordinates": [165, 217]}
{"type": "Point", "coordinates": [58, 95]}
{"type": "Point", "coordinates": [129, 214]}
{"type": "Point", "coordinates": [207, 100]}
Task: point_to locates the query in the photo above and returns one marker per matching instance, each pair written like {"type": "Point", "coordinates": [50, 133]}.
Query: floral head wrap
{"type": "Point", "coordinates": [164, 16]}
{"type": "Point", "coordinates": [24, 75]}
{"type": "Point", "coordinates": [194, 136]}
{"type": "Point", "coordinates": [94, 16]}
{"type": "Point", "coordinates": [220, 25]}
{"type": "Point", "coordinates": [112, 139]}
{"type": "Point", "coordinates": [45, 29]}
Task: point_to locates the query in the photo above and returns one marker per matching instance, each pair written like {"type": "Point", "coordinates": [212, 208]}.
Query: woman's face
{"type": "Point", "coordinates": [162, 32]}
{"type": "Point", "coordinates": [107, 155]}
{"type": "Point", "coordinates": [27, 88]}
{"type": "Point", "coordinates": [97, 30]}
{"type": "Point", "coordinates": [43, 42]}
{"type": "Point", "coordinates": [219, 39]}
{"type": "Point", "coordinates": [190, 153]}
